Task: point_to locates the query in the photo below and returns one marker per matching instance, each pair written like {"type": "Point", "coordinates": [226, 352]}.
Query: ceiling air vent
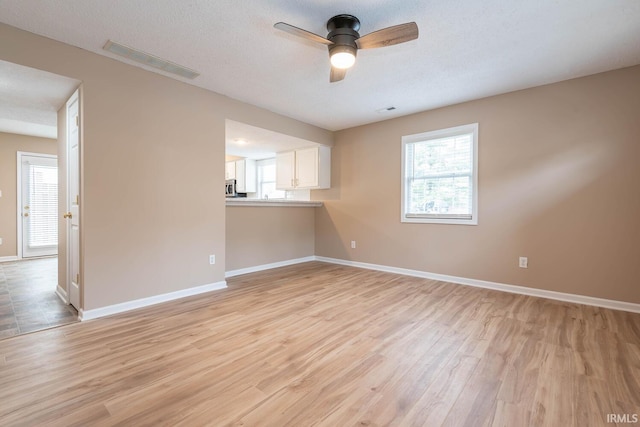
{"type": "Point", "coordinates": [385, 110]}
{"type": "Point", "coordinates": [150, 60]}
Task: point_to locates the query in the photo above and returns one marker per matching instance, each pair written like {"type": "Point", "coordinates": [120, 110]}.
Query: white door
{"type": "Point", "coordinates": [73, 200]}
{"type": "Point", "coordinates": [38, 204]}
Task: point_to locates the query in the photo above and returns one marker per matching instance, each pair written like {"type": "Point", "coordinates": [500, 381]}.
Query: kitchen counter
{"type": "Point", "coordinates": [241, 201]}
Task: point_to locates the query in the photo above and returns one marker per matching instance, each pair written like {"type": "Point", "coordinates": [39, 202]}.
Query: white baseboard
{"type": "Point", "coordinates": [560, 296]}
{"type": "Point", "coordinates": [145, 302]}
{"type": "Point", "coordinates": [514, 289]}
{"type": "Point", "coordinates": [8, 258]}
{"type": "Point", "coordinates": [262, 267]}
{"type": "Point", "coordinates": [62, 294]}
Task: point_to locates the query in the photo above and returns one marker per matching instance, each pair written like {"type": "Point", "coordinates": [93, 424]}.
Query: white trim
{"type": "Point", "coordinates": [145, 302]}
{"type": "Point", "coordinates": [62, 294]}
{"type": "Point", "coordinates": [8, 258]}
{"type": "Point", "coordinates": [437, 134]}
{"type": "Point", "coordinates": [514, 289]}
{"type": "Point", "coordinates": [262, 267]}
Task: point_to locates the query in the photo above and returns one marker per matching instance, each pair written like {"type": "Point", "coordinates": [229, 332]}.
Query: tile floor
{"type": "Point", "coordinates": [28, 301]}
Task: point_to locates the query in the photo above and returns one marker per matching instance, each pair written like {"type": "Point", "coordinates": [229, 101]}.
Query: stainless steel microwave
{"type": "Point", "coordinates": [230, 188]}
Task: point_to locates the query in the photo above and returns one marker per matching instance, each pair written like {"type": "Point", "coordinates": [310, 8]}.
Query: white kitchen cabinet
{"type": "Point", "coordinates": [230, 170]}
{"type": "Point", "coordinates": [246, 176]}
{"type": "Point", "coordinates": [244, 172]}
{"type": "Point", "coordinates": [307, 168]}
{"type": "Point", "coordinates": [285, 170]}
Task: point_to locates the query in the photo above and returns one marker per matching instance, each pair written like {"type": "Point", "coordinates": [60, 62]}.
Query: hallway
{"type": "Point", "coordinates": [28, 301]}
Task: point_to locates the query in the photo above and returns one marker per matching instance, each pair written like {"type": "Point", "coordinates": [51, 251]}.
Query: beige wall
{"type": "Point", "coordinates": [264, 235]}
{"type": "Point", "coordinates": [559, 181]}
{"type": "Point", "coordinates": [153, 157]}
{"type": "Point", "coordinates": [10, 144]}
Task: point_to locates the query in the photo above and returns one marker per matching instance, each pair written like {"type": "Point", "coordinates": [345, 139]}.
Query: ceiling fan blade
{"type": "Point", "coordinates": [389, 36]}
{"type": "Point", "coordinates": [337, 74]}
{"type": "Point", "coordinates": [301, 33]}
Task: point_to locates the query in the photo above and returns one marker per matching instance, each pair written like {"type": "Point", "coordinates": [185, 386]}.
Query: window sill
{"type": "Point", "coordinates": [439, 221]}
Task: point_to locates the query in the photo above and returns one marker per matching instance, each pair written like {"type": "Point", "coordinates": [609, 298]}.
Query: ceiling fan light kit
{"type": "Point", "coordinates": [344, 40]}
{"type": "Point", "coordinates": [342, 56]}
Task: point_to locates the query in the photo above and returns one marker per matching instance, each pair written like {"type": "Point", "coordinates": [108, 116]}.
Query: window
{"type": "Point", "coordinates": [267, 180]}
{"type": "Point", "coordinates": [440, 176]}
{"type": "Point", "coordinates": [43, 204]}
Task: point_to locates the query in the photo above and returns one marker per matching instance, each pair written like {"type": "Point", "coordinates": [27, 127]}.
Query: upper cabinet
{"type": "Point", "coordinates": [307, 168]}
{"type": "Point", "coordinates": [244, 172]}
{"type": "Point", "coordinates": [230, 170]}
{"type": "Point", "coordinates": [285, 170]}
{"type": "Point", "coordinates": [246, 176]}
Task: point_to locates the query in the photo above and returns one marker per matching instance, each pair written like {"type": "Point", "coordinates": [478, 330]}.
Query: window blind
{"type": "Point", "coordinates": [43, 206]}
{"type": "Point", "coordinates": [439, 174]}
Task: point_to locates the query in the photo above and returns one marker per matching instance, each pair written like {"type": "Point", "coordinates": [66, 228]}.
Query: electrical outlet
{"type": "Point", "coordinates": [523, 262]}
{"type": "Point", "coordinates": [212, 259]}
{"type": "Point", "coordinates": [353, 244]}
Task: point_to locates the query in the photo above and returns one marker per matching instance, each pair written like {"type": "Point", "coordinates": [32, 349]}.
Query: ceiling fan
{"type": "Point", "coordinates": [344, 40]}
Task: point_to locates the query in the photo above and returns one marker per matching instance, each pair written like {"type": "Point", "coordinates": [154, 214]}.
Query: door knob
{"type": "Point", "coordinates": [68, 215]}
{"type": "Point", "coordinates": [26, 214]}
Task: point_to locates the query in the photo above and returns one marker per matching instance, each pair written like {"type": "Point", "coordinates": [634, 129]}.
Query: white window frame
{"type": "Point", "coordinates": [438, 134]}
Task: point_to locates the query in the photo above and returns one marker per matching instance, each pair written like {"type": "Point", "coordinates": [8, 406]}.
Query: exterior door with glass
{"type": "Point", "coordinates": [38, 204]}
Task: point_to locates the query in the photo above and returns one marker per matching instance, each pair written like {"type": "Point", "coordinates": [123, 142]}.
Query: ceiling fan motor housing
{"type": "Point", "coordinates": [343, 32]}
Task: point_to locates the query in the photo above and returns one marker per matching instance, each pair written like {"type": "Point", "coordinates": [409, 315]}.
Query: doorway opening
{"type": "Point", "coordinates": [33, 191]}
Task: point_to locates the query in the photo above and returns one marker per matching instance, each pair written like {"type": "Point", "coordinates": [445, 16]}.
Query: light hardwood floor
{"type": "Point", "coordinates": [321, 344]}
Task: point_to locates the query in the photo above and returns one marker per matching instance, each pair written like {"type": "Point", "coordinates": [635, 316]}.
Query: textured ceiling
{"type": "Point", "coordinates": [467, 49]}
{"type": "Point", "coordinates": [30, 99]}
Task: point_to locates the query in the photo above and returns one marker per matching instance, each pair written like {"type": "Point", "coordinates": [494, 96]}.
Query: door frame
{"type": "Point", "coordinates": [76, 97]}
{"type": "Point", "coordinates": [19, 183]}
